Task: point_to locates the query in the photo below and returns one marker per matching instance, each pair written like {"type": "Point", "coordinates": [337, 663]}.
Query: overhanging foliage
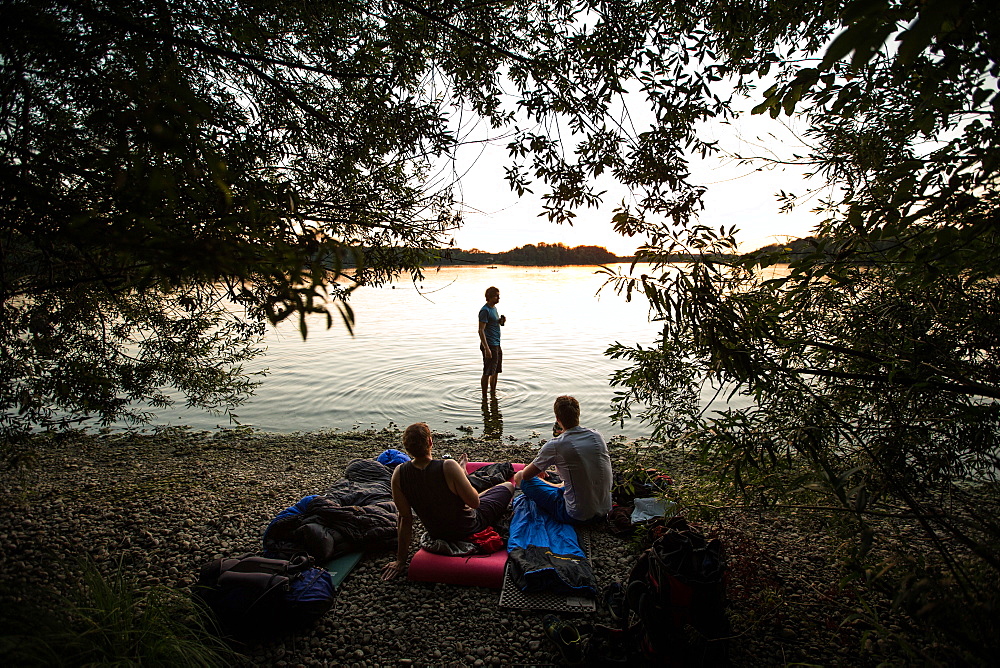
{"type": "Point", "coordinates": [868, 370]}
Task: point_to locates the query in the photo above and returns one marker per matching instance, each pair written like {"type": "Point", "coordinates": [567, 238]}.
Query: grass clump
{"type": "Point", "coordinates": [110, 621]}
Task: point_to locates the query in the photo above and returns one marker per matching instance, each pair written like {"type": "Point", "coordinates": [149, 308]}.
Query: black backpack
{"type": "Point", "coordinates": [256, 598]}
{"type": "Point", "coordinates": [675, 598]}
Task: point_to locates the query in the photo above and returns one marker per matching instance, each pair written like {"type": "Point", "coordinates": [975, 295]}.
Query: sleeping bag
{"type": "Point", "coordinates": [545, 554]}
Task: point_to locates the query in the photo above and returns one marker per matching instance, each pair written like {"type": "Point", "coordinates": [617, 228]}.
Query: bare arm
{"type": "Point", "coordinates": [482, 340]}
{"type": "Point", "coordinates": [532, 471]}
{"type": "Point", "coordinates": [404, 530]}
{"type": "Point", "coordinates": [458, 482]}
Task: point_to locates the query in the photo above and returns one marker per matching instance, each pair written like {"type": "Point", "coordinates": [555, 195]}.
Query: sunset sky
{"type": "Point", "coordinates": [496, 220]}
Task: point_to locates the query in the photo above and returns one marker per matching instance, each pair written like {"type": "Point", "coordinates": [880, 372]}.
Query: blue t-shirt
{"type": "Point", "coordinates": [489, 315]}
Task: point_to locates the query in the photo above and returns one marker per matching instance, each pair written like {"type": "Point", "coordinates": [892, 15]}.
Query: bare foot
{"type": "Point", "coordinates": [463, 459]}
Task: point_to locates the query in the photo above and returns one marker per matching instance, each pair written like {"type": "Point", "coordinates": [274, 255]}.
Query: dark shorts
{"type": "Point", "coordinates": [493, 503]}
{"type": "Point", "coordinates": [494, 364]}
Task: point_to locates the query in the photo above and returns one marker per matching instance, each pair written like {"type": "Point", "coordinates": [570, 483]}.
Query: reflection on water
{"type": "Point", "coordinates": [415, 357]}
{"type": "Point", "coordinates": [492, 418]}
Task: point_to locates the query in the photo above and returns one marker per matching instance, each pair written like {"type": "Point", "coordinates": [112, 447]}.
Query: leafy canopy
{"type": "Point", "coordinates": [864, 378]}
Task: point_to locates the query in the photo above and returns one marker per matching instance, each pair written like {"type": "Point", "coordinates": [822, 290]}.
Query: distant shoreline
{"type": "Point", "coordinates": [540, 255]}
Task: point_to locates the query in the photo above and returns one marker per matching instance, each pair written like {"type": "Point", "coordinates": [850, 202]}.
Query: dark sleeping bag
{"type": "Point", "coordinates": [545, 554]}
{"type": "Point", "coordinates": [325, 530]}
{"type": "Point", "coordinates": [491, 475]}
{"type": "Point", "coordinates": [365, 482]}
{"type": "Point", "coordinates": [355, 514]}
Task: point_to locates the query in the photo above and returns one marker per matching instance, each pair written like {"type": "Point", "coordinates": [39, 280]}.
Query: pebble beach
{"type": "Point", "coordinates": [165, 503]}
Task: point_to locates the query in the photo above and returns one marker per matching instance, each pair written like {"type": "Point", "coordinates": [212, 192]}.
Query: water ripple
{"type": "Point", "coordinates": [416, 359]}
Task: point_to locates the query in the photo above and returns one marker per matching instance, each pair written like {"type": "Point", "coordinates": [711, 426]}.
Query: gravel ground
{"type": "Point", "coordinates": [167, 503]}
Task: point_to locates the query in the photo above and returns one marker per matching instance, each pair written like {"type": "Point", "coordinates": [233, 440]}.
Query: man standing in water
{"type": "Point", "coordinates": [489, 339]}
{"type": "Point", "coordinates": [581, 459]}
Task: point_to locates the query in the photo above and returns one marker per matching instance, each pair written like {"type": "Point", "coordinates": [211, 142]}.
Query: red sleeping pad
{"type": "Point", "coordinates": [481, 570]}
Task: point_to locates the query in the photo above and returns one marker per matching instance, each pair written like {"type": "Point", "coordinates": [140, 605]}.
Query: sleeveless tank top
{"type": "Point", "coordinates": [441, 511]}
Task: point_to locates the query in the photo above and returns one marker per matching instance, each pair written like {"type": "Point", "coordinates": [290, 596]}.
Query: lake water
{"type": "Point", "coordinates": [415, 356]}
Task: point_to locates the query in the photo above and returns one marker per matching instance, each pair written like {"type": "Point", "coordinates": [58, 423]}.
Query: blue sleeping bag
{"type": "Point", "coordinates": [545, 554]}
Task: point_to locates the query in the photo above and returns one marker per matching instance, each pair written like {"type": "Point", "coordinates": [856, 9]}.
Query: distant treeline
{"type": "Point", "coordinates": [560, 254]}
{"type": "Point", "coordinates": [859, 253]}
{"type": "Point", "coordinates": [793, 249]}
{"type": "Point", "coordinates": [534, 254]}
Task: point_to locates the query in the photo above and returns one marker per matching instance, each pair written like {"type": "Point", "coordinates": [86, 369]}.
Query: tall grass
{"type": "Point", "coordinates": [109, 621]}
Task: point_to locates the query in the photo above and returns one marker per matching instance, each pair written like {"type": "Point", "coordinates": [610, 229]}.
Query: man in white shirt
{"type": "Point", "coordinates": [581, 459]}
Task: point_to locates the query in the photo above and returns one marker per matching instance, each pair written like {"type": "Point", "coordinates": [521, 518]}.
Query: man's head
{"type": "Point", "coordinates": [567, 410]}
{"type": "Point", "coordinates": [492, 295]}
{"type": "Point", "coordinates": [417, 439]}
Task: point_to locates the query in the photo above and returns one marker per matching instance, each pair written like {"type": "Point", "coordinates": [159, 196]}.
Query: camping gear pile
{"type": "Point", "coordinates": [308, 548]}
{"type": "Point", "coordinates": [669, 612]}
{"type": "Point", "coordinates": [256, 597]}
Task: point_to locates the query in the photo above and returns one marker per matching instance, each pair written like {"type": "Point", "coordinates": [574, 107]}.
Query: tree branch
{"type": "Point", "coordinates": [129, 26]}
{"type": "Point", "coordinates": [464, 33]}
{"type": "Point", "coordinates": [971, 388]}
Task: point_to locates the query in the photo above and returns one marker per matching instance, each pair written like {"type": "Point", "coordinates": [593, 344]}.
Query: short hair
{"type": "Point", "coordinates": [417, 439]}
{"type": "Point", "coordinates": [492, 290]}
{"type": "Point", "coordinates": [567, 410]}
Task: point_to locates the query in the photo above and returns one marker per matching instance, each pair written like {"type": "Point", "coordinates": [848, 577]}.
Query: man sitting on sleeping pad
{"type": "Point", "coordinates": [581, 459]}
{"type": "Point", "coordinates": [442, 496]}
